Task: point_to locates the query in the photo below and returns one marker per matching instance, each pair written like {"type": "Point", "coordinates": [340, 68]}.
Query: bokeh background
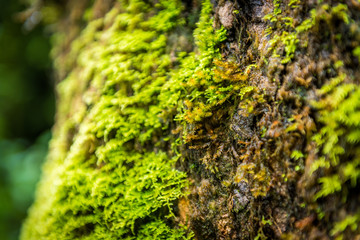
{"type": "Point", "coordinates": [26, 111]}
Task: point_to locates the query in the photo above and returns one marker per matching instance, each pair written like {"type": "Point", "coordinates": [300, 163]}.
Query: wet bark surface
{"type": "Point", "coordinates": [242, 169]}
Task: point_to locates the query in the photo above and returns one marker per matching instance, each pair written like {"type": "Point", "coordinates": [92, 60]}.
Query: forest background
{"type": "Point", "coordinates": [26, 112]}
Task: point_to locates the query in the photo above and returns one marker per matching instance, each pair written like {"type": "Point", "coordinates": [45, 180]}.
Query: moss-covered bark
{"type": "Point", "coordinates": [237, 122]}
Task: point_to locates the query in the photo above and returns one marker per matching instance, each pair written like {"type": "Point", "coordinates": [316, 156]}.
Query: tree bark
{"type": "Point", "coordinates": [206, 120]}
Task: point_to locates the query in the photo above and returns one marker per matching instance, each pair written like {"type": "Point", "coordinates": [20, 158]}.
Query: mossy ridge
{"type": "Point", "coordinates": [108, 174]}
{"type": "Point", "coordinates": [230, 141]}
{"type": "Point", "coordinates": [206, 84]}
{"type": "Point", "coordinates": [196, 74]}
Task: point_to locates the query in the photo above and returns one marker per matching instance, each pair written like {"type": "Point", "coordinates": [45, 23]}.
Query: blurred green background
{"type": "Point", "coordinates": [26, 111]}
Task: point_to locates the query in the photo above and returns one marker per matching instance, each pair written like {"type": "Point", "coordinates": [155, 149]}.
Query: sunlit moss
{"type": "Point", "coordinates": [107, 176]}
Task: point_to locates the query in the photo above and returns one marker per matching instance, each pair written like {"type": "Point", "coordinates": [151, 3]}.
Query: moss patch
{"type": "Point", "coordinates": [262, 117]}
{"type": "Point", "coordinates": [109, 174]}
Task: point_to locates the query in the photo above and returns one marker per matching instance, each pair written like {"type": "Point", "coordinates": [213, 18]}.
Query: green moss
{"type": "Point", "coordinates": [108, 169]}
{"type": "Point", "coordinates": [336, 167]}
{"type": "Point", "coordinates": [107, 176]}
{"type": "Point", "coordinates": [285, 42]}
{"type": "Point", "coordinates": [288, 36]}
{"type": "Point", "coordinates": [350, 221]}
{"type": "Point", "coordinates": [206, 88]}
{"type": "Point", "coordinates": [195, 82]}
{"type": "Point", "coordinates": [131, 99]}
{"type": "Point", "coordinates": [260, 233]}
{"type": "Point", "coordinates": [340, 116]}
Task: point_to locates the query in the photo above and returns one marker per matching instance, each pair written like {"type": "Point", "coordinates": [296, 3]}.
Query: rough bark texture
{"type": "Point", "coordinates": [258, 103]}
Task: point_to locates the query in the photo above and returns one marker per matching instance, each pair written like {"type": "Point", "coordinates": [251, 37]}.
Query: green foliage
{"type": "Point", "coordinates": [294, 3]}
{"type": "Point", "coordinates": [112, 178]}
{"type": "Point", "coordinates": [290, 34]}
{"type": "Point", "coordinates": [261, 235]}
{"type": "Point", "coordinates": [159, 230]}
{"type": "Point", "coordinates": [329, 185]}
{"type": "Point", "coordinates": [340, 116]}
{"type": "Point", "coordinates": [340, 11]}
{"type": "Point", "coordinates": [204, 82]}
{"type": "Point", "coordinates": [273, 16]}
{"type": "Point", "coordinates": [114, 181]}
{"type": "Point", "coordinates": [195, 80]}
{"type": "Point", "coordinates": [338, 163]}
{"type": "Point", "coordinates": [356, 52]}
{"type": "Point", "coordinates": [350, 221]}
{"type": "Point", "coordinates": [205, 86]}
{"type": "Point", "coordinates": [286, 41]}
{"type": "Point", "coordinates": [297, 155]}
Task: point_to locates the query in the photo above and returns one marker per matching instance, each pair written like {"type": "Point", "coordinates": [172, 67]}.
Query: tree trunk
{"type": "Point", "coordinates": [206, 120]}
